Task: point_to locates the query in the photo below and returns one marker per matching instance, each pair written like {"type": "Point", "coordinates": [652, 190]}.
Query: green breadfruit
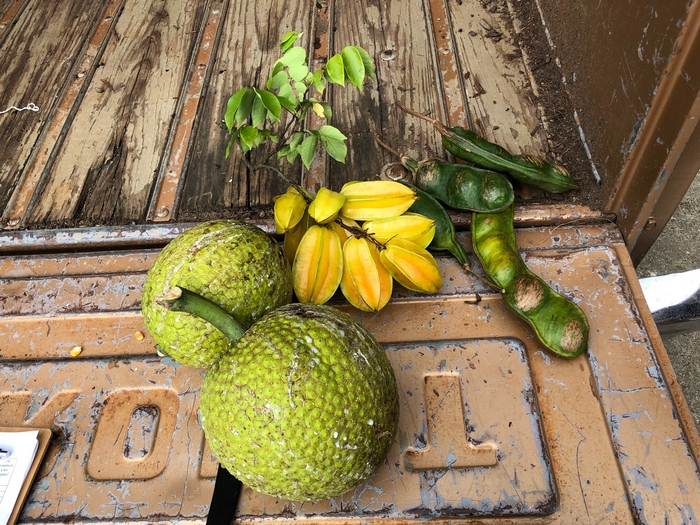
{"type": "Point", "coordinates": [304, 406]}
{"type": "Point", "coordinates": [234, 264]}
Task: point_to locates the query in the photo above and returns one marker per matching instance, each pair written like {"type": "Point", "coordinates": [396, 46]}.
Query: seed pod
{"type": "Point", "coordinates": [558, 323]}
{"type": "Point", "coordinates": [412, 266]}
{"type": "Point", "coordinates": [461, 187]}
{"type": "Point", "coordinates": [467, 145]}
{"type": "Point", "coordinates": [289, 209]}
{"type": "Point", "coordinates": [318, 265]}
{"type": "Point", "coordinates": [534, 171]}
{"type": "Point", "coordinates": [377, 199]}
{"type": "Point", "coordinates": [326, 205]}
{"type": "Point", "coordinates": [410, 226]}
{"type": "Point", "coordinates": [366, 284]}
{"type": "Point", "coordinates": [445, 236]}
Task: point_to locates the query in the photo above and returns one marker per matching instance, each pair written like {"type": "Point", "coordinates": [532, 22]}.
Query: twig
{"type": "Point", "coordinates": [482, 279]}
{"type": "Point", "coordinates": [386, 146]}
{"type": "Point", "coordinates": [436, 123]}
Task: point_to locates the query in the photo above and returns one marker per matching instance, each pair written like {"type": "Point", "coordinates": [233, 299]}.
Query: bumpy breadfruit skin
{"type": "Point", "coordinates": [305, 407]}
{"type": "Point", "coordinates": [234, 264]}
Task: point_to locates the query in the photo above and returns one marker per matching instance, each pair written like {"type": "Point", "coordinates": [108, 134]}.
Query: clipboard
{"type": "Point", "coordinates": [43, 438]}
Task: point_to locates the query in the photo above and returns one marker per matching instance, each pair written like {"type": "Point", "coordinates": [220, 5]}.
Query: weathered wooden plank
{"type": "Point", "coordinates": [397, 34]}
{"type": "Point", "coordinates": [163, 205]}
{"type": "Point", "coordinates": [36, 59]}
{"type": "Point", "coordinates": [501, 100]}
{"type": "Point", "coordinates": [248, 48]}
{"type": "Point", "coordinates": [109, 159]}
{"type": "Point", "coordinates": [52, 133]}
{"type": "Point", "coordinates": [9, 12]}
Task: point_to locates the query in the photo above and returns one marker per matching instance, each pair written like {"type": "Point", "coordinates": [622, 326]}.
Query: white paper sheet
{"type": "Point", "coordinates": [17, 451]}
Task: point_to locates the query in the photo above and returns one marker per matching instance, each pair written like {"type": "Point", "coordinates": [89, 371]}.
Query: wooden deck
{"type": "Point", "coordinates": [131, 94]}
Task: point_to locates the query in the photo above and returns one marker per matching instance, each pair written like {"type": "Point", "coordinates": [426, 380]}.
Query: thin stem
{"type": "Point", "coordinates": [386, 146]}
{"type": "Point", "coordinates": [484, 280]}
{"type": "Point", "coordinates": [307, 196]}
{"type": "Point", "coordinates": [436, 123]}
{"type": "Point", "coordinates": [406, 161]}
{"type": "Point", "coordinates": [182, 300]}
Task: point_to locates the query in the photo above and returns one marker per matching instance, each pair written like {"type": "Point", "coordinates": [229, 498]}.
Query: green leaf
{"type": "Point", "coordinates": [271, 103]}
{"type": "Point", "coordinates": [277, 80]}
{"type": "Point", "coordinates": [318, 81]}
{"type": "Point", "coordinates": [232, 106]}
{"type": "Point", "coordinates": [354, 66]}
{"type": "Point", "coordinates": [301, 88]}
{"type": "Point", "coordinates": [333, 141]}
{"type": "Point", "coordinates": [335, 71]}
{"type": "Point", "coordinates": [284, 151]}
{"type": "Point", "coordinates": [248, 135]}
{"type": "Point", "coordinates": [259, 112]}
{"type": "Point", "coordinates": [288, 99]}
{"type": "Point", "coordinates": [368, 62]}
{"type": "Point", "coordinates": [292, 157]}
{"type": "Point", "coordinates": [307, 149]}
{"type": "Point", "coordinates": [296, 139]}
{"type": "Point", "coordinates": [327, 110]}
{"type": "Point", "coordinates": [298, 72]}
{"type": "Point", "coordinates": [245, 107]}
{"type": "Point", "coordinates": [289, 39]}
{"type": "Point", "coordinates": [293, 57]}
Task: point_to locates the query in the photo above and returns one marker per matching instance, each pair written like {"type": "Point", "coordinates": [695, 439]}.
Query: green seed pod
{"type": "Point", "coordinates": [558, 323]}
{"type": "Point", "coordinates": [462, 187]}
{"type": "Point", "coordinates": [445, 236]}
{"type": "Point", "coordinates": [534, 171]}
{"type": "Point", "coordinates": [467, 145]}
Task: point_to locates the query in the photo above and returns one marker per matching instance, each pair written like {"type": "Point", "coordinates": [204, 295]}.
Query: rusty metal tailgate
{"type": "Point", "coordinates": [493, 429]}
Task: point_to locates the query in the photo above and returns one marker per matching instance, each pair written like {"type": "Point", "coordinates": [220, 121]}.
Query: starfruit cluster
{"type": "Point", "coordinates": [360, 239]}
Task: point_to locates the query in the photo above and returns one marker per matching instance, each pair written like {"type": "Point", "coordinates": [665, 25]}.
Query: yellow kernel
{"type": "Point", "coordinates": [76, 351]}
{"type": "Point", "coordinates": [139, 336]}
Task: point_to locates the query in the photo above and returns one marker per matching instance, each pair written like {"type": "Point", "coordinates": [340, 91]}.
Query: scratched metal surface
{"type": "Point", "coordinates": [494, 429]}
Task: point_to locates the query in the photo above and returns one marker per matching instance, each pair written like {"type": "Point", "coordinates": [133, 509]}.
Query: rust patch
{"type": "Point", "coordinates": [6, 18]}
{"type": "Point", "coordinates": [457, 108]}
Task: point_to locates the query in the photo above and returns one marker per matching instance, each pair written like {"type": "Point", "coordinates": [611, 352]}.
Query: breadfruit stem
{"type": "Point", "coordinates": [182, 300]}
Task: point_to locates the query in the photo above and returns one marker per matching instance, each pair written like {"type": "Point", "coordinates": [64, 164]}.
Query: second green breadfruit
{"type": "Point", "coordinates": [234, 264]}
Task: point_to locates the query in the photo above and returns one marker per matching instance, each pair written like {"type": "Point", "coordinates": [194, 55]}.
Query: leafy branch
{"type": "Point", "coordinates": [254, 116]}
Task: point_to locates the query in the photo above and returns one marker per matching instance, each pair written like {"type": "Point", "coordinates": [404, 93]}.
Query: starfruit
{"type": "Point", "coordinates": [366, 284]}
{"type": "Point", "coordinates": [293, 237]}
{"type": "Point", "coordinates": [376, 199]}
{"type": "Point", "coordinates": [289, 209]}
{"type": "Point", "coordinates": [326, 205]}
{"type": "Point", "coordinates": [318, 265]}
{"type": "Point", "coordinates": [412, 266]}
{"type": "Point", "coordinates": [342, 232]}
{"type": "Point", "coordinates": [410, 226]}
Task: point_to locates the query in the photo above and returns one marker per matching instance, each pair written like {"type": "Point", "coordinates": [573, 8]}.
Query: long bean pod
{"type": "Point", "coordinates": [535, 171]}
{"type": "Point", "coordinates": [558, 323]}
{"type": "Point", "coordinates": [531, 170]}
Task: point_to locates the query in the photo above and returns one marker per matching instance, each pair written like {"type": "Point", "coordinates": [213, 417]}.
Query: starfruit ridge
{"type": "Point", "coordinates": [318, 265]}
{"type": "Point", "coordinates": [412, 266]}
{"type": "Point", "coordinates": [410, 226]}
{"type": "Point", "coordinates": [366, 283]}
{"type": "Point", "coordinates": [379, 199]}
